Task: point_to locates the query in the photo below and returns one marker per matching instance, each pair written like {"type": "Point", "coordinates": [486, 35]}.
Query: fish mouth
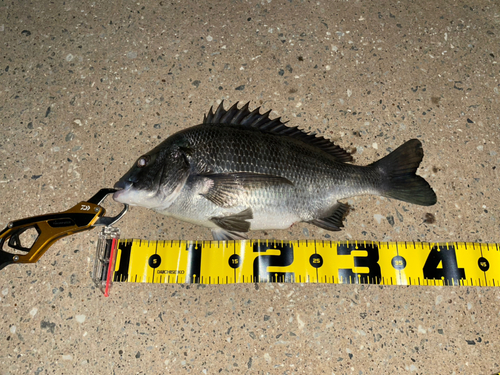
{"type": "Point", "coordinates": [123, 187]}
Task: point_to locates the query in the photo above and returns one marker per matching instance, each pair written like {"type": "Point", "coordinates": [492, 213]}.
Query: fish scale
{"type": "Point", "coordinates": [307, 169]}
{"type": "Point", "coordinates": [240, 171]}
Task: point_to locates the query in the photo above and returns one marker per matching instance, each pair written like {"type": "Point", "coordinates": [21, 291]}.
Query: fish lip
{"type": "Point", "coordinates": [118, 194]}
{"type": "Point", "coordinates": [122, 187]}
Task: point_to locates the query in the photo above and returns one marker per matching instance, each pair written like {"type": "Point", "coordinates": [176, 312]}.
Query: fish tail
{"type": "Point", "coordinates": [399, 179]}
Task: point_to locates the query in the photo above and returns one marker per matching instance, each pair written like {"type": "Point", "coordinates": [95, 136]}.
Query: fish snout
{"type": "Point", "coordinates": [122, 184]}
{"type": "Point", "coordinates": [127, 180]}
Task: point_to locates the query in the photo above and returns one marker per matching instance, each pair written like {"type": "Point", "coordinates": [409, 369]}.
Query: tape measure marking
{"type": "Point", "coordinates": [308, 261]}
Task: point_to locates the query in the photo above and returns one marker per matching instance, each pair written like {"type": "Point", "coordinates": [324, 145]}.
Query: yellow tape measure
{"type": "Point", "coordinates": [307, 261]}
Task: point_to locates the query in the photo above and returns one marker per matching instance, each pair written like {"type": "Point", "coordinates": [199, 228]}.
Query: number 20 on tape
{"type": "Point", "coordinates": [384, 263]}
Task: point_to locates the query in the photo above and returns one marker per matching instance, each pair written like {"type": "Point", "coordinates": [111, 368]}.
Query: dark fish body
{"type": "Point", "coordinates": [241, 171]}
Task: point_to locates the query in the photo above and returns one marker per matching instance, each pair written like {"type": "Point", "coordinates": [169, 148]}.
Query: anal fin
{"type": "Point", "coordinates": [334, 221]}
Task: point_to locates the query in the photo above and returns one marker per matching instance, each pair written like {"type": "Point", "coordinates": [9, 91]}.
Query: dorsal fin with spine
{"type": "Point", "coordinates": [255, 119]}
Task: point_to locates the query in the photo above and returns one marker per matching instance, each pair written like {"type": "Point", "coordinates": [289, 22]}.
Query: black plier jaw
{"type": "Point", "coordinates": [51, 227]}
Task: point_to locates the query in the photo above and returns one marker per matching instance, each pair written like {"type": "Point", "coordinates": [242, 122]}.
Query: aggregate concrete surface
{"type": "Point", "coordinates": [86, 87]}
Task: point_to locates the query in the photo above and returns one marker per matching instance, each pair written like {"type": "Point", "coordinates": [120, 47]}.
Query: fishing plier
{"type": "Point", "coordinates": [51, 227]}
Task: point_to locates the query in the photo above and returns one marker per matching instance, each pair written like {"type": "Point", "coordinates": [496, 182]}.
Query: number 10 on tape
{"type": "Point", "coordinates": [357, 262]}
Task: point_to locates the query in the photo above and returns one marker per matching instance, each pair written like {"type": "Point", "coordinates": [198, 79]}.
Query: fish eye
{"type": "Point", "coordinates": [143, 161]}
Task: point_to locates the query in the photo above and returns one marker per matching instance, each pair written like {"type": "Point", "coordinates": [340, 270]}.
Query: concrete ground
{"type": "Point", "coordinates": [87, 87]}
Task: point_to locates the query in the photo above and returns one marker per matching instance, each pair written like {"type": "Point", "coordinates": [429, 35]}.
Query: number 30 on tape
{"type": "Point", "coordinates": [250, 261]}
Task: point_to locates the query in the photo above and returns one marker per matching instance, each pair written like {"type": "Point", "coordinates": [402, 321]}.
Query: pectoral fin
{"type": "Point", "coordinates": [227, 189]}
{"type": "Point", "coordinates": [235, 222]}
{"type": "Point", "coordinates": [334, 221]}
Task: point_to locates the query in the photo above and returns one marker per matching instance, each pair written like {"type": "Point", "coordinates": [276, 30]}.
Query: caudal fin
{"type": "Point", "coordinates": [399, 180]}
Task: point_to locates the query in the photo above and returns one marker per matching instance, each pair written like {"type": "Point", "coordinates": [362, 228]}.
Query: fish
{"type": "Point", "coordinates": [240, 170]}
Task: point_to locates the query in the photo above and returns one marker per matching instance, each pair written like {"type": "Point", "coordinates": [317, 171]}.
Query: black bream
{"type": "Point", "coordinates": [240, 171]}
